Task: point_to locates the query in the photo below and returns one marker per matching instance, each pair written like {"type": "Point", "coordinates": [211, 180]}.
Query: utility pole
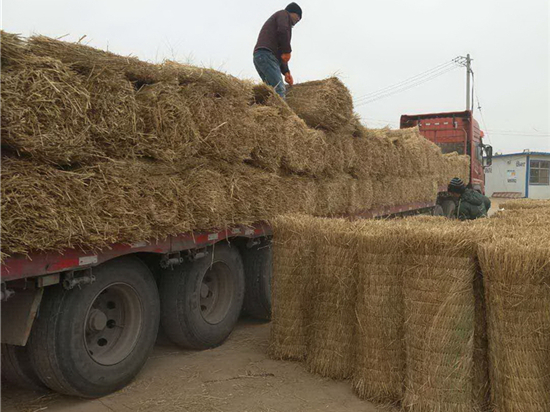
{"type": "Point", "coordinates": [468, 70]}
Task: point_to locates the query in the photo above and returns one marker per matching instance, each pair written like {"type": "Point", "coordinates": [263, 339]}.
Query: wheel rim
{"type": "Point", "coordinates": [113, 324]}
{"type": "Point", "coordinates": [216, 293]}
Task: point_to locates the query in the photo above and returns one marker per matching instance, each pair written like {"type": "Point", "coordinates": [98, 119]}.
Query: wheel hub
{"type": "Point", "coordinates": [216, 293]}
{"type": "Point", "coordinates": [113, 324]}
{"type": "Point", "coordinates": [97, 320]}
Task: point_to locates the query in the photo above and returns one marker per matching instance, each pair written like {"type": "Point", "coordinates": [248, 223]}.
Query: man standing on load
{"type": "Point", "coordinates": [471, 204]}
{"type": "Point", "coordinates": [272, 51]}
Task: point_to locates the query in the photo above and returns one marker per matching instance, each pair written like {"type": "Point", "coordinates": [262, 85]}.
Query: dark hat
{"type": "Point", "coordinates": [456, 186]}
{"type": "Point", "coordinates": [294, 8]}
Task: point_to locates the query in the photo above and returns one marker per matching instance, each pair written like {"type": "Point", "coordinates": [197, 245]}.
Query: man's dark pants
{"type": "Point", "coordinates": [269, 69]}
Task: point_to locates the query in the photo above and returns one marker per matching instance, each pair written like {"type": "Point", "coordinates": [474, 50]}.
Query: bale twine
{"type": "Point", "coordinates": [517, 279]}
{"type": "Point", "coordinates": [332, 314]}
{"type": "Point", "coordinates": [380, 356]}
{"type": "Point", "coordinates": [322, 104]}
{"type": "Point", "coordinates": [293, 263]}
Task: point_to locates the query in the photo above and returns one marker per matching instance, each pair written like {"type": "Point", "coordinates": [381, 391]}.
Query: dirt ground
{"type": "Point", "coordinates": [236, 377]}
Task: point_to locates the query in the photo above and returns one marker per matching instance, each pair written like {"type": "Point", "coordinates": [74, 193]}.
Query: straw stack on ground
{"type": "Point", "coordinates": [379, 372]}
{"type": "Point", "coordinates": [439, 328]}
{"type": "Point", "coordinates": [332, 323]}
{"type": "Point", "coordinates": [431, 333]}
{"type": "Point", "coordinates": [516, 270]}
{"type": "Point", "coordinates": [291, 288]}
{"type": "Point", "coordinates": [518, 300]}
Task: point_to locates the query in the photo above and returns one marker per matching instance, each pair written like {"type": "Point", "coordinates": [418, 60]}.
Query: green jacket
{"type": "Point", "coordinates": [473, 205]}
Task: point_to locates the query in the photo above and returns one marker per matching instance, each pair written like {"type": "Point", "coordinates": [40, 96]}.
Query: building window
{"type": "Point", "coordinates": [540, 172]}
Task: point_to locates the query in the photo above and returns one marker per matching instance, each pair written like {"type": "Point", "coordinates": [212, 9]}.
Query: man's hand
{"type": "Point", "coordinates": [285, 57]}
{"type": "Point", "coordinates": [288, 78]}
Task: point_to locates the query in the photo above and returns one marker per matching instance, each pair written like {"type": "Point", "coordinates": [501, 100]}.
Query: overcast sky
{"type": "Point", "coordinates": [369, 44]}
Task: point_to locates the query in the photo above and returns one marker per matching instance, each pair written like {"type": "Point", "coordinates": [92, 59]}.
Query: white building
{"type": "Point", "coordinates": [524, 174]}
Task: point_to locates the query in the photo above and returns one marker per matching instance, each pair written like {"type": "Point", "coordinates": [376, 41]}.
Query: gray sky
{"type": "Point", "coordinates": [369, 44]}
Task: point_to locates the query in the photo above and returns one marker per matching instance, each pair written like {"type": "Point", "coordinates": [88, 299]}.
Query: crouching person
{"type": "Point", "coordinates": [470, 203]}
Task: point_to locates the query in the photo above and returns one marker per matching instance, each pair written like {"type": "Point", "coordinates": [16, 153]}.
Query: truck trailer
{"type": "Point", "coordinates": [84, 323]}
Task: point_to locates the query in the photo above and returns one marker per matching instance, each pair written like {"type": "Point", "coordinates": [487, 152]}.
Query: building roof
{"type": "Point", "coordinates": [523, 154]}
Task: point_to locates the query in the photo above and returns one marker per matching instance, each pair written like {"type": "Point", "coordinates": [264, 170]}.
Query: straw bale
{"type": "Point", "coordinates": [380, 354]}
{"type": "Point", "coordinates": [438, 290]}
{"type": "Point", "coordinates": [334, 196]}
{"type": "Point", "coordinates": [334, 291]}
{"type": "Point", "coordinates": [323, 104]}
{"type": "Point", "coordinates": [342, 157]}
{"type": "Point", "coordinates": [525, 204]}
{"type": "Point", "coordinates": [170, 132]}
{"type": "Point", "coordinates": [439, 330]}
{"type": "Point", "coordinates": [255, 194]}
{"type": "Point", "coordinates": [293, 263]}
{"type": "Point", "coordinates": [45, 208]}
{"type": "Point", "coordinates": [225, 130]}
{"type": "Point", "coordinates": [298, 195]}
{"type": "Point", "coordinates": [44, 106]}
{"type": "Point", "coordinates": [361, 195]}
{"type": "Point", "coordinates": [284, 141]}
{"type": "Point", "coordinates": [13, 50]}
{"type": "Point", "coordinates": [113, 115]}
{"type": "Point", "coordinates": [517, 279]}
{"type": "Point", "coordinates": [213, 83]}
{"type": "Point", "coordinates": [480, 379]}
{"type": "Point", "coordinates": [454, 165]}
{"type": "Point", "coordinates": [85, 60]}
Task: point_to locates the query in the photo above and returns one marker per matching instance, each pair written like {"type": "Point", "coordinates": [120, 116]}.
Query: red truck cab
{"type": "Point", "coordinates": [455, 132]}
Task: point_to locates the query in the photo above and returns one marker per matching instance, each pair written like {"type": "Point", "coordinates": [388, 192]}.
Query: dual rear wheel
{"type": "Point", "coordinates": [94, 340]}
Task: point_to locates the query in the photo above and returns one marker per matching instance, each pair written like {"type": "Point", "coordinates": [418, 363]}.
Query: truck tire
{"type": "Point", "coordinates": [94, 339]}
{"type": "Point", "coordinates": [258, 267]}
{"type": "Point", "coordinates": [449, 208]}
{"type": "Point", "coordinates": [17, 368]}
{"type": "Point", "coordinates": [201, 301]}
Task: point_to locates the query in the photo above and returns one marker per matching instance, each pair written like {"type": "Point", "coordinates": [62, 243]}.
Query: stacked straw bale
{"type": "Point", "coordinates": [291, 286]}
{"type": "Point", "coordinates": [331, 328]}
{"type": "Point", "coordinates": [380, 356]}
{"type": "Point", "coordinates": [79, 123]}
{"type": "Point", "coordinates": [516, 270]}
{"type": "Point", "coordinates": [438, 290]}
{"type": "Point", "coordinates": [402, 303]}
{"type": "Point", "coordinates": [323, 104]}
{"type": "Point", "coordinates": [518, 301]}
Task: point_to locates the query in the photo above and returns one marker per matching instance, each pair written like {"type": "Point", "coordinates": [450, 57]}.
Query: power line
{"type": "Point", "coordinates": [483, 118]}
{"type": "Point", "coordinates": [406, 81]}
{"type": "Point", "coordinates": [406, 86]}
{"type": "Point", "coordinates": [521, 134]}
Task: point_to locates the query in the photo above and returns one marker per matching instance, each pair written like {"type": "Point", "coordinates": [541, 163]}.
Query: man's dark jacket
{"type": "Point", "coordinates": [275, 36]}
{"type": "Point", "coordinates": [473, 205]}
